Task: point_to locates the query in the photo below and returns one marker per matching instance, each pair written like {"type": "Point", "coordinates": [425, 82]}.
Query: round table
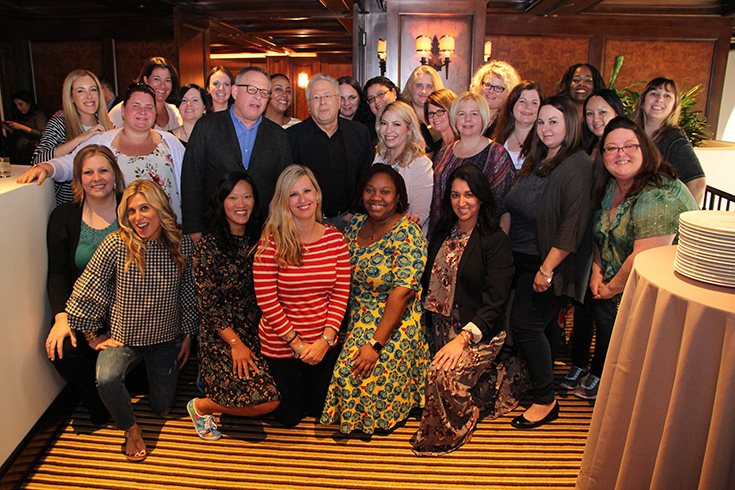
{"type": "Point", "coordinates": [664, 417]}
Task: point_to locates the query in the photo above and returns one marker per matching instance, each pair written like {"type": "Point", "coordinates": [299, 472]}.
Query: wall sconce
{"type": "Point", "coordinates": [303, 80]}
{"type": "Point", "coordinates": [423, 47]}
{"type": "Point", "coordinates": [382, 55]}
{"type": "Point", "coordinates": [446, 48]}
{"type": "Point", "coordinates": [488, 50]}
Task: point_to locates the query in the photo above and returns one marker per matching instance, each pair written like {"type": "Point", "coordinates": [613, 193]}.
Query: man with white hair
{"type": "Point", "coordinates": [336, 149]}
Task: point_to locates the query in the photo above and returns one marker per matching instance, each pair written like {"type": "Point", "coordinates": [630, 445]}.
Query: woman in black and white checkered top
{"type": "Point", "coordinates": [139, 281]}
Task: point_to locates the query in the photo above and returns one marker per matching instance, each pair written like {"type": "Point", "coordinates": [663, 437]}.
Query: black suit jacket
{"type": "Point", "coordinates": [359, 151]}
{"type": "Point", "coordinates": [484, 277]}
{"type": "Point", "coordinates": [214, 151]}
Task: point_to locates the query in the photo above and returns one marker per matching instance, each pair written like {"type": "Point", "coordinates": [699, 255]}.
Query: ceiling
{"type": "Point", "coordinates": [321, 26]}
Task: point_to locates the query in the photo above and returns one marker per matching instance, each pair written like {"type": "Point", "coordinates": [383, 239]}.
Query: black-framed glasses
{"type": "Point", "coordinates": [378, 96]}
{"type": "Point", "coordinates": [495, 88]}
{"type": "Point", "coordinates": [627, 149]}
{"type": "Point", "coordinates": [252, 90]}
{"type": "Point", "coordinates": [436, 113]}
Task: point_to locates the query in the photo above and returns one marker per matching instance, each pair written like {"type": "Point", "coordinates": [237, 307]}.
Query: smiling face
{"type": "Point", "coordinates": [380, 197]}
{"type": "Point", "coordinates": [421, 89]}
{"type": "Point", "coordinates": [622, 163]}
{"type": "Point", "coordinates": [281, 97]}
{"type": "Point", "coordinates": [439, 118]}
{"type": "Point", "coordinates": [161, 82]}
{"type": "Point", "coordinates": [97, 178]}
{"type": "Point", "coordinates": [525, 110]}
{"type": "Point", "coordinates": [598, 114]}
{"type": "Point", "coordinates": [349, 101]}
{"type": "Point", "coordinates": [139, 112]}
{"type": "Point", "coordinates": [469, 120]}
{"type": "Point", "coordinates": [143, 218]}
{"type": "Point", "coordinates": [302, 200]}
{"type": "Point", "coordinates": [379, 96]}
{"type": "Point", "coordinates": [464, 204]}
{"type": "Point", "coordinates": [394, 132]}
{"type": "Point", "coordinates": [582, 84]}
{"type": "Point", "coordinates": [494, 99]}
{"type": "Point", "coordinates": [249, 107]}
{"type": "Point", "coordinates": [220, 88]}
{"type": "Point", "coordinates": [192, 105]}
{"type": "Point", "coordinates": [238, 206]}
{"type": "Point", "coordinates": [85, 95]}
{"type": "Point", "coordinates": [551, 128]}
{"type": "Point", "coordinates": [323, 103]}
{"type": "Point", "coordinates": [658, 104]}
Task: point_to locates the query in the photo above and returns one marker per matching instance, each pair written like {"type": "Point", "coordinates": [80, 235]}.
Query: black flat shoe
{"type": "Point", "coordinates": [520, 422]}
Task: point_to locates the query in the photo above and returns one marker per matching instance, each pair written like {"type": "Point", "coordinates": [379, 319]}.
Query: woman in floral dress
{"type": "Point", "coordinates": [236, 378]}
{"type": "Point", "coordinates": [379, 376]}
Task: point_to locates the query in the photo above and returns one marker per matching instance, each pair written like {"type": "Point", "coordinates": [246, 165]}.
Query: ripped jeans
{"type": "Point", "coordinates": [115, 363]}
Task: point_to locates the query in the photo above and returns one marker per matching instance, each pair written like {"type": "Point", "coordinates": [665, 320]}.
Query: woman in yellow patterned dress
{"type": "Point", "coordinates": [380, 374]}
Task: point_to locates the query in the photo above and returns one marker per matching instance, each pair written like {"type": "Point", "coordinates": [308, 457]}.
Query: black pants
{"type": "Point", "coordinates": [533, 321]}
{"type": "Point", "coordinates": [303, 387]}
{"type": "Point", "coordinates": [605, 311]}
{"type": "Point", "coordinates": [584, 329]}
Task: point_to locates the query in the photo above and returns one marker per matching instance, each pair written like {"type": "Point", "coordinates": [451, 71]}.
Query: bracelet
{"type": "Point", "coordinates": [467, 336]}
{"type": "Point", "coordinates": [297, 353]}
{"type": "Point", "coordinates": [548, 277]}
{"type": "Point", "coordinates": [330, 342]}
{"type": "Point", "coordinates": [232, 342]}
{"type": "Point", "coordinates": [291, 337]}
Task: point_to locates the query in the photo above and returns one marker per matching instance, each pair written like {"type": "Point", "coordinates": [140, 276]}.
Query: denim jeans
{"type": "Point", "coordinates": [162, 369]}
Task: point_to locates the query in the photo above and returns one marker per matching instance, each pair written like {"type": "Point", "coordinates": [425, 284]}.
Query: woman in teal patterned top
{"type": "Point", "coordinates": [381, 371]}
{"type": "Point", "coordinates": [638, 200]}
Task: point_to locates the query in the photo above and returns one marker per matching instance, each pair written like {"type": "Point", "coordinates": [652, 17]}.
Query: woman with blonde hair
{"type": "Point", "coordinates": [400, 145]}
{"type": "Point", "coordinates": [140, 281]}
{"type": "Point", "coordinates": [301, 274]}
{"type": "Point", "coordinates": [657, 111]}
{"type": "Point", "coordinates": [423, 81]}
{"type": "Point", "coordinates": [85, 114]}
{"type": "Point", "coordinates": [494, 81]}
{"type": "Point", "coordinates": [470, 117]}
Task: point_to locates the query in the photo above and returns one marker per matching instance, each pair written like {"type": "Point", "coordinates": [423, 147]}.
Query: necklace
{"type": "Point", "coordinates": [374, 224]}
{"type": "Point", "coordinates": [520, 145]}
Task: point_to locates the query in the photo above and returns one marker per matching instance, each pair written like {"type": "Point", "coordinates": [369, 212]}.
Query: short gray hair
{"type": "Point", "coordinates": [318, 77]}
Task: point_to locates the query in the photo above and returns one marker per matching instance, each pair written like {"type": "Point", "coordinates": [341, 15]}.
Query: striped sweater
{"type": "Point", "coordinates": [307, 298]}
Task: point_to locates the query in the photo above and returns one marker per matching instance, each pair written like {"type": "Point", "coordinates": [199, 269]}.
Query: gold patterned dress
{"type": "Point", "coordinates": [396, 384]}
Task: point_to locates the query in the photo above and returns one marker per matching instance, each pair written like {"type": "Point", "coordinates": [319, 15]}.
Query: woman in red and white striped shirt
{"type": "Point", "coordinates": [302, 278]}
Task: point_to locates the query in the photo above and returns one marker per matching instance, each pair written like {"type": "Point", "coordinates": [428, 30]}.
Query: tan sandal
{"type": "Point", "coordinates": [136, 457]}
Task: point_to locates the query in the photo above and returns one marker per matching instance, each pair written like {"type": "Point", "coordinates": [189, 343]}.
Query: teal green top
{"type": "Point", "coordinates": [652, 212]}
{"type": "Point", "coordinates": [89, 240]}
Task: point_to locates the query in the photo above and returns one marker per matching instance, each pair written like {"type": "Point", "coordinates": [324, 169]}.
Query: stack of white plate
{"type": "Point", "coordinates": [706, 250]}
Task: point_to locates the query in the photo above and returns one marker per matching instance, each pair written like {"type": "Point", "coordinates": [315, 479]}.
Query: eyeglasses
{"type": "Point", "coordinates": [436, 113]}
{"type": "Point", "coordinates": [252, 90]}
{"type": "Point", "coordinates": [378, 96]}
{"type": "Point", "coordinates": [319, 98]}
{"type": "Point", "coordinates": [495, 88]}
{"type": "Point", "coordinates": [613, 150]}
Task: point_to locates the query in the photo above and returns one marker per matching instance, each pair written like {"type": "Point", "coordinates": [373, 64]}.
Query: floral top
{"type": "Point", "coordinates": [652, 212]}
{"type": "Point", "coordinates": [440, 294]}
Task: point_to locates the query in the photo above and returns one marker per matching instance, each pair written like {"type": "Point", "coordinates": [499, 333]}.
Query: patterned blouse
{"type": "Point", "coordinates": [142, 310]}
{"type": "Point", "coordinates": [440, 295]}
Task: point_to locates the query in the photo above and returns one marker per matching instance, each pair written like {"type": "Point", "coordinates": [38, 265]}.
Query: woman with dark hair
{"type": "Point", "coordinates": [85, 114]}
{"type": "Point", "coordinates": [302, 279]}
{"type": "Point", "coordinates": [379, 92]}
{"type": "Point", "coordinates": [379, 376]}
{"type": "Point", "coordinates": [550, 235]}
{"type": "Point", "coordinates": [280, 101]}
{"type": "Point", "coordinates": [637, 200]}
{"type": "Point", "coordinates": [162, 77]}
{"type": "Point", "coordinates": [657, 111]}
{"type": "Point", "coordinates": [193, 102]}
{"type": "Point", "coordinates": [578, 82]}
{"type": "Point", "coordinates": [599, 108]}
{"type": "Point", "coordinates": [353, 104]}
{"type": "Point", "coordinates": [26, 131]}
{"type": "Point", "coordinates": [467, 280]}
{"type": "Point", "coordinates": [75, 230]}
{"type": "Point", "coordinates": [517, 118]}
{"type": "Point", "coordinates": [141, 151]}
{"type": "Point", "coordinates": [219, 86]}
{"type": "Point", "coordinates": [436, 113]}
{"type": "Point", "coordinates": [237, 380]}
{"type": "Point", "coordinates": [140, 279]}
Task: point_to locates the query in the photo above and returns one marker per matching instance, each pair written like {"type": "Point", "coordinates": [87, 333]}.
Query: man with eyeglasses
{"type": "Point", "coordinates": [228, 141]}
{"type": "Point", "coordinates": [336, 149]}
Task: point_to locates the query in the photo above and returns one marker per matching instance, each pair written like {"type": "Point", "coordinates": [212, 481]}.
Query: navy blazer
{"type": "Point", "coordinates": [214, 151]}
{"type": "Point", "coordinates": [484, 277]}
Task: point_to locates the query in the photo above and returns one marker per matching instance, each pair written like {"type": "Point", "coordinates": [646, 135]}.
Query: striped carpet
{"type": "Point", "coordinates": [257, 454]}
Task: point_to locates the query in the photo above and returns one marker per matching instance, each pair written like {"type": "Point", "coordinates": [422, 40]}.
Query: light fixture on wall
{"type": "Point", "coordinates": [382, 55]}
{"type": "Point", "coordinates": [443, 54]}
{"type": "Point", "coordinates": [303, 80]}
{"type": "Point", "coordinates": [488, 50]}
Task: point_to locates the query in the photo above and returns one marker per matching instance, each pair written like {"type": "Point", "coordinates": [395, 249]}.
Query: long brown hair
{"type": "Point", "coordinates": [506, 121]}
{"type": "Point", "coordinates": [672, 121]}
{"type": "Point", "coordinates": [81, 157]}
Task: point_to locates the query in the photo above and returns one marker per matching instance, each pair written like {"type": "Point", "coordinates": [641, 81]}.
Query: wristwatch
{"type": "Point", "coordinates": [377, 346]}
